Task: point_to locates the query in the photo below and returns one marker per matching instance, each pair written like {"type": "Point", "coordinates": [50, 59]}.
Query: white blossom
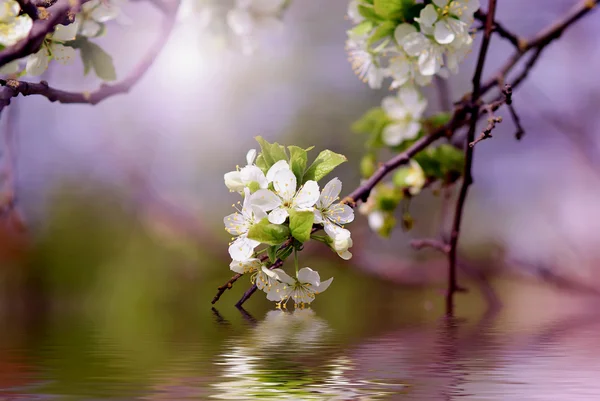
{"type": "Point", "coordinates": [301, 290]}
{"type": "Point", "coordinates": [330, 214]}
{"type": "Point", "coordinates": [428, 53]}
{"type": "Point", "coordinates": [353, 13]}
{"type": "Point", "coordinates": [13, 27]}
{"type": "Point", "coordinates": [53, 48]}
{"type": "Point", "coordinates": [95, 13]}
{"type": "Point", "coordinates": [405, 110]}
{"type": "Point", "coordinates": [415, 178]}
{"type": "Point", "coordinates": [252, 175]}
{"type": "Point", "coordinates": [253, 211]}
{"type": "Point", "coordinates": [364, 62]}
{"type": "Point", "coordinates": [251, 18]}
{"type": "Point", "coordinates": [284, 184]}
{"type": "Point", "coordinates": [342, 241]}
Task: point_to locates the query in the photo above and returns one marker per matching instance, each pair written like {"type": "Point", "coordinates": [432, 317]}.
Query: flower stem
{"type": "Point", "coordinates": [296, 260]}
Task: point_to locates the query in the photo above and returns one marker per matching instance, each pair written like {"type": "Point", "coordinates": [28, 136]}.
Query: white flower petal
{"type": "Point", "coordinates": [279, 275]}
{"type": "Point", "coordinates": [325, 284]}
{"type": "Point", "coordinates": [341, 214]}
{"type": "Point", "coordinates": [430, 61]}
{"type": "Point", "coordinates": [11, 68]}
{"type": "Point", "coordinates": [275, 168]}
{"type": "Point", "coordinates": [105, 12]}
{"type": "Point", "coordinates": [240, 21]}
{"type": "Point", "coordinates": [308, 275]}
{"type": "Point", "coordinates": [394, 108]}
{"type": "Point", "coordinates": [90, 28]}
{"type": "Point", "coordinates": [233, 181]}
{"type": "Point", "coordinates": [251, 156]}
{"type": "Point", "coordinates": [353, 13]}
{"type": "Point", "coordinates": [18, 28]}
{"type": "Point", "coordinates": [250, 174]}
{"type": "Point", "coordinates": [415, 43]}
{"type": "Point", "coordinates": [235, 224]}
{"type": "Point", "coordinates": [278, 215]}
{"type": "Point", "coordinates": [284, 183]}
{"type": "Point", "coordinates": [307, 196]}
{"type": "Point", "coordinates": [394, 134]}
{"type": "Point", "coordinates": [64, 33]}
{"type": "Point", "coordinates": [330, 193]}
{"type": "Point", "coordinates": [441, 3]}
{"type": "Point", "coordinates": [37, 63]}
{"type": "Point", "coordinates": [376, 220]}
{"type": "Point", "coordinates": [63, 54]}
{"type": "Point", "coordinates": [428, 16]}
{"type": "Point", "coordinates": [265, 200]}
{"type": "Point", "coordinates": [442, 33]}
{"type": "Point", "coordinates": [9, 9]}
{"type": "Point", "coordinates": [245, 267]}
{"type": "Point", "coordinates": [242, 249]}
{"type": "Point", "coordinates": [402, 30]}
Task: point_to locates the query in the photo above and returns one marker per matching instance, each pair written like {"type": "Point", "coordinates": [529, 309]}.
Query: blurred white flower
{"type": "Point", "coordinates": [405, 110]}
{"type": "Point", "coordinates": [13, 27]}
{"type": "Point", "coordinates": [251, 18]}
{"type": "Point", "coordinates": [428, 53]}
{"type": "Point", "coordinates": [53, 48]}
{"type": "Point", "coordinates": [95, 13]}
{"type": "Point", "coordinates": [364, 62]}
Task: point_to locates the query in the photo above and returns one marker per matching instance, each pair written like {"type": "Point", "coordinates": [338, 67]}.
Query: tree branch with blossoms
{"type": "Point", "coordinates": [418, 42]}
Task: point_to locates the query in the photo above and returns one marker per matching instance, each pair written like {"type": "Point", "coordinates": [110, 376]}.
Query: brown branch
{"type": "Point", "coordinates": [106, 90]}
{"type": "Point", "coordinates": [29, 8]}
{"type": "Point", "coordinates": [468, 178]}
{"type": "Point", "coordinates": [540, 41]}
{"type": "Point", "coordinates": [500, 30]}
{"type": "Point", "coordinates": [278, 263]}
{"type": "Point", "coordinates": [513, 113]}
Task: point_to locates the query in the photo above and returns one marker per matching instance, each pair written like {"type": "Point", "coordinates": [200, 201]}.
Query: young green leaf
{"type": "Point", "coordinates": [298, 160]}
{"type": "Point", "coordinates": [272, 253]}
{"type": "Point", "coordinates": [323, 165]}
{"type": "Point", "coordinates": [384, 30]}
{"type": "Point", "coordinates": [389, 9]}
{"type": "Point", "coordinates": [369, 13]}
{"type": "Point", "coordinates": [362, 29]}
{"type": "Point", "coordinates": [284, 253]}
{"type": "Point", "coordinates": [267, 233]}
{"type": "Point", "coordinates": [301, 224]}
{"type": "Point", "coordinates": [93, 56]}
{"type": "Point", "coordinates": [271, 152]}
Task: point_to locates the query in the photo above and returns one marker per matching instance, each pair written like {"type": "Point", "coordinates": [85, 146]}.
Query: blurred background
{"type": "Point", "coordinates": [117, 231]}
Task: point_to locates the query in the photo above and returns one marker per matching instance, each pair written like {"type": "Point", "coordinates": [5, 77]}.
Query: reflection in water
{"type": "Point", "coordinates": [291, 356]}
{"type": "Point", "coordinates": [301, 356]}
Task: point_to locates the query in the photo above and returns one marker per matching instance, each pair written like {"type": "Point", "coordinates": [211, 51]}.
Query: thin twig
{"type": "Point", "coordinates": [503, 32]}
{"type": "Point", "coordinates": [468, 178]}
{"type": "Point", "coordinates": [278, 263]}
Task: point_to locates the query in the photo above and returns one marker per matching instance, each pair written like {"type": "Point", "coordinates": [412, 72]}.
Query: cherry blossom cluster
{"type": "Point", "coordinates": [283, 207]}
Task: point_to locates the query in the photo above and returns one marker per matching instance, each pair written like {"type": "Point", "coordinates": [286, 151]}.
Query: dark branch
{"type": "Point", "coordinates": [500, 30]}
{"type": "Point", "coordinates": [468, 178]}
{"type": "Point", "coordinates": [29, 8]}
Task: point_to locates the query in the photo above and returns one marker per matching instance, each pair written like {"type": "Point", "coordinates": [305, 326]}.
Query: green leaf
{"type": "Point", "coordinates": [430, 163]}
{"type": "Point", "coordinates": [362, 29]}
{"type": "Point", "coordinates": [438, 120]}
{"type": "Point", "coordinates": [298, 161]}
{"type": "Point", "coordinates": [384, 30]}
{"type": "Point", "coordinates": [272, 253]}
{"type": "Point", "coordinates": [267, 233]}
{"type": "Point", "coordinates": [372, 123]}
{"type": "Point", "coordinates": [301, 224]}
{"type": "Point", "coordinates": [452, 160]}
{"type": "Point", "coordinates": [399, 178]}
{"type": "Point", "coordinates": [271, 152]}
{"type": "Point", "coordinates": [388, 198]}
{"type": "Point", "coordinates": [261, 164]}
{"type": "Point", "coordinates": [323, 165]}
{"type": "Point", "coordinates": [93, 56]}
{"type": "Point", "coordinates": [389, 9]}
{"type": "Point", "coordinates": [369, 13]}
